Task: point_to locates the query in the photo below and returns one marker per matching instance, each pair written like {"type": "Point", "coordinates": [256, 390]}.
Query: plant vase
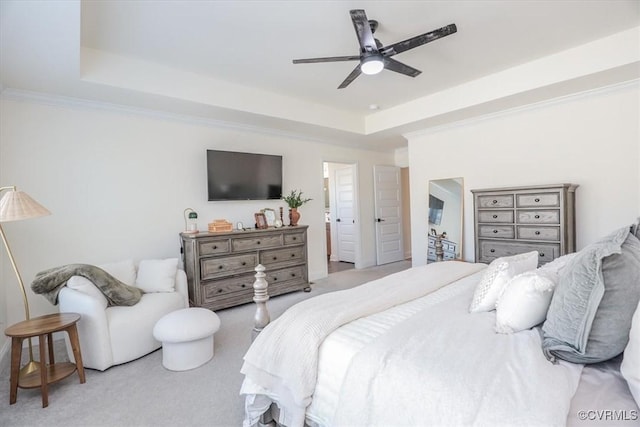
{"type": "Point", "coordinates": [294, 217]}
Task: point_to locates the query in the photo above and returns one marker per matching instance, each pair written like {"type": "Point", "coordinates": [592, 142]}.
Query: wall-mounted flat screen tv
{"type": "Point", "coordinates": [435, 210]}
{"type": "Point", "coordinates": [243, 176]}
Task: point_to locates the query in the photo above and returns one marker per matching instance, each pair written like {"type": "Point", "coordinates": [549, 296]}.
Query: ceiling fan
{"type": "Point", "coordinates": [374, 57]}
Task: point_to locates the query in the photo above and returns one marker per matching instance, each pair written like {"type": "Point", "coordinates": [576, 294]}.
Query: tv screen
{"type": "Point", "coordinates": [435, 210]}
{"type": "Point", "coordinates": [243, 176]}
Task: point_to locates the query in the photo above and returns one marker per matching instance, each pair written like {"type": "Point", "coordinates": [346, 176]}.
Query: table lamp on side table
{"type": "Point", "coordinates": [14, 206]}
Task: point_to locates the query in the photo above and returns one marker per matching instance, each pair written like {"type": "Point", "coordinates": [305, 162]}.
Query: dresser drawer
{"type": "Point", "coordinates": [431, 253]}
{"type": "Point", "coordinates": [293, 238]}
{"type": "Point", "coordinates": [490, 250]}
{"type": "Point", "coordinates": [538, 233]}
{"type": "Point", "coordinates": [549, 216]}
{"type": "Point", "coordinates": [225, 266]}
{"type": "Point", "coordinates": [222, 288]}
{"type": "Point", "coordinates": [213, 247]}
{"type": "Point", "coordinates": [497, 231]}
{"type": "Point", "coordinates": [495, 216]}
{"type": "Point", "coordinates": [252, 243]}
{"type": "Point", "coordinates": [286, 274]}
{"type": "Point", "coordinates": [496, 201]}
{"type": "Point", "coordinates": [533, 200]}
{"type": "Point", "coordinates": [278, 256]}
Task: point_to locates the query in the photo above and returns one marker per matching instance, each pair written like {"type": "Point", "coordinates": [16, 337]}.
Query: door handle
{"type": "Point", "coordinates": [380, 220]}
{"type": "Point", "coordinates": [338, 220]}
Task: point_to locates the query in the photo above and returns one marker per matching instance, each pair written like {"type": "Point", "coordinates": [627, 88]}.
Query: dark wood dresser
{"type": "Point", "coordinates": [220, 266]}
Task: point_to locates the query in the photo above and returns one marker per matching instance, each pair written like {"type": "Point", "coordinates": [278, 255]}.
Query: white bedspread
{"type": "Point", "coordinates": [445, 366]}
{"type": "Point", "coordinates": [281, 364]}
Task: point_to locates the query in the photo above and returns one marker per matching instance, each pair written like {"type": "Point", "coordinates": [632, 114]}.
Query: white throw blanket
{"type": "Point", "coordinates": [281, 364]}
{"type": "Point", "coordinates": [446, 366]}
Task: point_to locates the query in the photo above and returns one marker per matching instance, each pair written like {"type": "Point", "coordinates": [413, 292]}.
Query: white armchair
{"type": "Point", "coordinates": [114, 335]}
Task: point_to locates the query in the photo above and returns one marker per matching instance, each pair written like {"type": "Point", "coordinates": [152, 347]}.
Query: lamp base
{"type": "Point", "coordinates": [27, 369]}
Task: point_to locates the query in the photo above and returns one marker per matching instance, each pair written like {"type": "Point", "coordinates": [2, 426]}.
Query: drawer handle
{"type": "Point", "coordinates": [219, 291]}
{"type": "Point", "coordinates": [494, 202]}
{"type": "Point", "coordinates": [274, 278]}
{"type": "Point", "coordinates": [275, 258]}
{"type": "Point", "coordinates": [295, 238]}
{"type": "Point", "coordinates": [293, 255]}
{"type": "Point", "coordinates": [492, 250]}
{"type": "Point", "coordinates": [215, 247]}
{"type": "Point", "coordinates": [293, 274]}
{"type": "Point", "coordinates": [495, 231]}
{"type": "Point", "coordinates": [244, 263]}
{"type": "Point", "coordinates": [243, 285]}
{"type": "Point", "coordinates": [537, 233]}
{"type": "Point", "coordinates": [537, 217]}
{"type": "Point", "coordinates": [220, 267]}
{"type": "Point", "coordinates": [541, 254]}
{"type": "Point", "coordinates": [536, 200]}
{"type": "Point", "coordinates": [495, 216]}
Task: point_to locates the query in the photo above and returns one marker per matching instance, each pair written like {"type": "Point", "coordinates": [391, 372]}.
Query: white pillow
{"type": "Point", "coordinates": [524, 302]}
{"type": "Point", "coordinates": [496, 277]}
{"type": "Point", "coordinates": [630, 367]}
{"type": "Point", "coordinates": [86, 286]}
{"type": "Point", "coordinates": [124, 271]}
{"type": "Point", "coordinates": [157, 275]}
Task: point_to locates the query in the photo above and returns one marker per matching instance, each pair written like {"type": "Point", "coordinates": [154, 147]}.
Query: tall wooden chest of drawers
{"type": "Point", "coordinates": [510, 221]}
{"type": "Point", "coordinates": [220, 266]}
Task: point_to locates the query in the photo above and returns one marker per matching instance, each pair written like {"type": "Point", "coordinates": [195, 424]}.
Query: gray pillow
{"type": "Point", "coordinates": [591, 310]}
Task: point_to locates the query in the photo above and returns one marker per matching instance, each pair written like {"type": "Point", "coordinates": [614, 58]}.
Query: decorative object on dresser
{"type": "Point", "coordinates": [294, 200]}
{"type": "Point", "coordinates": [190, 221]}
{"type": "Point", "coordinates": [221, 225]}
{"type": "Point", "coordinates": [515, 220]}
{"type": "Point", "coordinates": [15, 206]}
{"type": "Point", "coordinates": [220, 267]}
{"type": "Point", "coordinates": [261, 220]}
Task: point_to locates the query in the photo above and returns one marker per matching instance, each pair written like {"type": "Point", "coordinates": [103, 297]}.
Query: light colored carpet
{"type": "Point", "coordinates": [143, 393]}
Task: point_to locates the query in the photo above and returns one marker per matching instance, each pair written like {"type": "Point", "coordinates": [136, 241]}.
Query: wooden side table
{"type": "Point", "coordinates": [47, 373]}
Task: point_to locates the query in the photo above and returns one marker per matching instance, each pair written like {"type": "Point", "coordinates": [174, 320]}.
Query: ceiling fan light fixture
{"type": "Point", "coordinates": [372, 65]}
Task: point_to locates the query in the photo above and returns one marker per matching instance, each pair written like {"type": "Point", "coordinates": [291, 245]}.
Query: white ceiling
{"type": "Point", "coordinates": [230, 61]}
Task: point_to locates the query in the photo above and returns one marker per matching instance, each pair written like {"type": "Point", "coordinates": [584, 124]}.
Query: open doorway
{"type": "Point", "coordinates": [342, 232]}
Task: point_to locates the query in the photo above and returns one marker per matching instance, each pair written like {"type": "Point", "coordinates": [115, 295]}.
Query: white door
{"type": "Point", "coordinates": [345, 218]}
{"type": "Point", "coordinates": [388, 209]}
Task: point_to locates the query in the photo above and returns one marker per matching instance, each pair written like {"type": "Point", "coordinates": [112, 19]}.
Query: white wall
{"type": "Point", "coordinates": [117, 184]}
{"type": "Point", "coordinates": [590, 139]}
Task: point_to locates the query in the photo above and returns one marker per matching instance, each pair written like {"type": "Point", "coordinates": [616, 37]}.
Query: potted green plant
{"type": "Point", "coordinates": [294, 200]}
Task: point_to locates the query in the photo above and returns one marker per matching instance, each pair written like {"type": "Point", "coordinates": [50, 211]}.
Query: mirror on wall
{"type": "Point", "coordinates": [445, 219]}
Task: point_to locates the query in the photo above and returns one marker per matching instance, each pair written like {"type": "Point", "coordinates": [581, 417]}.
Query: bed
{"type": "Point", "coordinates": [406, 350]}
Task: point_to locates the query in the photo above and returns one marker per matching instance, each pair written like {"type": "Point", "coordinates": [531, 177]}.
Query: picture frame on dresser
{"type": "Point", "coordinates": [513, 220]}
{"type": "Point", "coordinates": [261, 220]}
{"type": "Point", "coordinates": [270, 216]}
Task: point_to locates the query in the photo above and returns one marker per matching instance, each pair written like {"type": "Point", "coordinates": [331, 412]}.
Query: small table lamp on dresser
{"type": "Point", "coordinates": [14, 206]}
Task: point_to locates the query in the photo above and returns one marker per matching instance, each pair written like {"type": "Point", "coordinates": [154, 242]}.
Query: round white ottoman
{"type": "Point", "coordinates": [187, 337]}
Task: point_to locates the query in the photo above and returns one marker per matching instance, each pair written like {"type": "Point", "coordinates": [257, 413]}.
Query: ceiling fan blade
{"type": "Point", "coordinates": [399, 67]}
{"type": "Point", "coordinates": [363, 31]}
{"type": "Point", "coordinates": [327, 59]}
{"type": "Point", "coordinates": [351, 77]}
{"type": "Point", "coordinates": [416, 41]}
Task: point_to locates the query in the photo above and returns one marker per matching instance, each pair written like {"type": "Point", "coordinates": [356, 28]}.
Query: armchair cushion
{"type": "Point", "coordinates": [157, 275]}
{"type": "Point", "coordinates": [125, 271]}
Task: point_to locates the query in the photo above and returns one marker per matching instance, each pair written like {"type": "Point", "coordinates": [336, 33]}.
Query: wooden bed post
{"type": "Point", "coordinates": [260, 297]}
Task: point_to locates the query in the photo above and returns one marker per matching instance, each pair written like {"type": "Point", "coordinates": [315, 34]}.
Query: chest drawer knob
{"type": "Point", "coordinates": [293, 274]}
{"type": "Point", "coordinates": [274, 278]}
{"type": "Point", "coordinates": [219, 291]}
{"type": "Point", "coordinates": [492, 250]}
{"type": "Point", "coordinates": [215, 247]}
{"type": "Point", "coordinates": [275, 258]}
{"type": "Point", "coordinates": [495, 216]}
{"type": "Point", "coordinates": [536, 200]}
{"type": "Point", "coordinates": [293, 255]}
{"type": "Point", "coordinates": [495, 231]}
{"type": "Point", "coordinates": [258, 242]}
{"type": "Point", "coordinates": [541, 254]}
{"type": "Point", "coordinates": [220, 267]}
{"type": "Point", "coordinates": [494, 201]}
{"type": "Point", "coordinates": [537, 217]}
{"type": "Point", "coordinates": [295, 238]}
{"type": "Point", "coordinates": [243, 285]}
{"type": "Point", "coordinates": [537, 233]}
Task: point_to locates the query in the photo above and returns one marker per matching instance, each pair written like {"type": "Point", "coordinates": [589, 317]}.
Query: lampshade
{"type": "Point", "coordinates": [16, 205]}
{"type": "Point", "coordinates": [372, 64]}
